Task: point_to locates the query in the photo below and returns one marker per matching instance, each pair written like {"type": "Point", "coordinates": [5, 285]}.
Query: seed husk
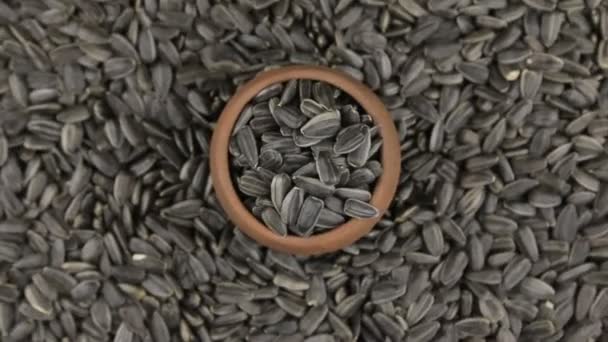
{"type": "Point", "coordinates": [273, 220]}
{"type": "Point", "coordinates": [359, 209]}
{"type": "Point", "coordinates": [308, 216]}
{"type": "Point", "coordinates": [279, 187]}
{"type": "Point", "coordinates": [247, 144]}
{"type": "Point", "coordinates": [329, 219]}
{"type": "Point", "coordinates": [322, 126]}
{"type": "Point", "coordinates": [292, 203]}
{"type": "Point", "coordinates": [313, 186]}
{"type": "Point", "coordinates": [326, 169]}
{"type": "Point", "coordinates": [349, 139]}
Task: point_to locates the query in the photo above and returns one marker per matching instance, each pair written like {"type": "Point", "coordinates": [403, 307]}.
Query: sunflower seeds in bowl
{"type": "Point", "coordinates": [301, 154]}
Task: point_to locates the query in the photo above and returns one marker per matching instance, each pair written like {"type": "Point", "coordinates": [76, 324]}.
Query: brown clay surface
{"type": "Point", "coordinates": [333, 239]}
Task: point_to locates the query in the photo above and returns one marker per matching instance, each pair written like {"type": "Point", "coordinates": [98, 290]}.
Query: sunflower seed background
{"type": "Point", "coordinates": [110, 229]}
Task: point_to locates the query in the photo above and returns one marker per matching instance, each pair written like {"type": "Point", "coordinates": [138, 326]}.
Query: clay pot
{"type": "Point", "coordinates": [336, 238]}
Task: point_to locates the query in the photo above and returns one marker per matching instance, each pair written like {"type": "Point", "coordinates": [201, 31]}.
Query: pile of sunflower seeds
{"type": "Point", "coordinates": [300, 155]}
{"type": "Point", "coordinates": [110, 229]}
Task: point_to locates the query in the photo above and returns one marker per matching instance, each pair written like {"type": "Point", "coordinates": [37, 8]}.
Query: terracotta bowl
{"type": "Point", "coordinates": [333, 239]}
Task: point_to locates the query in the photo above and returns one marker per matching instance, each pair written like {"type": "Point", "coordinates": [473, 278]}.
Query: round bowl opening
{"type": "Point", "coordinates": [336, 238]}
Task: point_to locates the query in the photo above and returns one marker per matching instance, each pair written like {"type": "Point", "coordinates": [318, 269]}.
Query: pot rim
{"type": "Point", "coordinates": [333, 239]}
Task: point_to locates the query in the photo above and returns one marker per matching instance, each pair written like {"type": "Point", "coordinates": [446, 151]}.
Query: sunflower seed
{"type": "Point", "coordinates": [326, 169]}
{"type": "Point", "coordinates": [313, 318]}
{"type": "Point", "coordinates": [492, 308]}
{"type": "Point", "coordinates": [273, 220]}
{"type": "Point", "coordinates": [86, 289]}
{"type": "Point", "coordinates": [473, 72]}
{"type": "Point", "coordinates": [474, 326]}
{"type": "Point", "coordinates": [118, 67]}
{"type": "Point", "coordinates": [311, 108]}
{"type": "Point", "coordinates": [308, 216]}
{"type": "Point", "coordinates": [101, 315]}
{"type": "Point", "coordinates": [323, 125]}
{"type": "Point", "coordinates": [417, 311]}
{"type": "Point", "coordinates": [247, 144]}
{"type": "Point", "coordinates": [290, 208]}
{"type": "Point", "coordinates": [313, 186]}
{"type": "Point", "coordinates": [290, 283]}
{"type": "Point", "coordinates": [359, 209]}
{"type": "Point", "coordinates": [423, 332]}
{"type": "Point", "coordinates": [252, 185]}
{"type": "Point", "coordinates": [291, 118]}
{"type": "Point", "coordinates": [279, 187]}
{"type": "Point", "coordinates": [349, 305]}
{"type": "Point", "coordinates": [433, 238]}
{"type": "Point", "coordinates": [530, 83]}
{"type": "Point", "coordinates": [536, 288]}
{"type": "Point", "coordinates": [329, 219]}
{"type": "Point", "coordinates": [350, 138]}
{"type": "Point", "coordinates": [515, 272]}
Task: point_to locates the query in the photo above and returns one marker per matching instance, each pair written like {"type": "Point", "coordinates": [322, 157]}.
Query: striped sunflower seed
{"type": "Point", "coordinates": [290, 208]}
{"type": "Point", "coordinates": [308, 216]}
{"type": "Point", "coordinates": [322, 126]}
{"type": "Point", "coordinates": [273, 220]}
{"type": "Point", "coordinates": [359, 209]}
